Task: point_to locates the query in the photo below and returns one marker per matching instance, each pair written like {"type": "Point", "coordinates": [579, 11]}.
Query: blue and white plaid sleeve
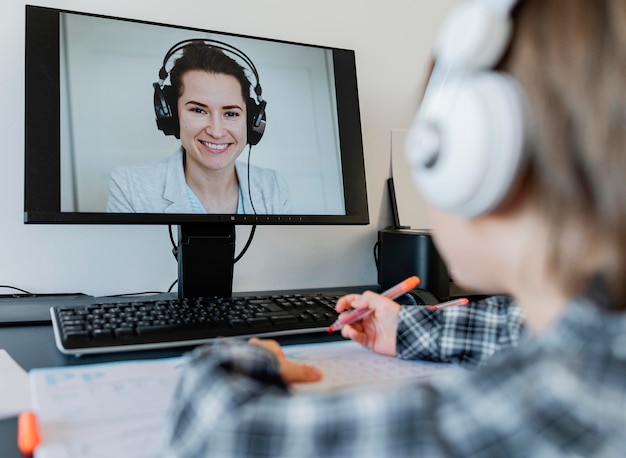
{"type": "Point", "coordinates": [231, 403]}
{"type": "Point", "coordinates": [466, 335]}
{"type": "Point", "coordinates": [550, 397]}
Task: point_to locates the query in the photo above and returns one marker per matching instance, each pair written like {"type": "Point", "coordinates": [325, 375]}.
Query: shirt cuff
{"type": "Point", "coordinates": [418, 333]}
{"type": "Point", "coordinates": [236, 358]}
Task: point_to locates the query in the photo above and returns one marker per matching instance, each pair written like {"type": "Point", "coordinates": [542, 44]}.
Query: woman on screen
{"type": "Point", "coordinates": [553, 237]}
{"type": "Point", "coordinates": [209, 108]}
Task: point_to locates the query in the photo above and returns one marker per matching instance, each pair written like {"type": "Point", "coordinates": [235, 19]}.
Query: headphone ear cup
{"type": "Point", "coordinates": [257, 119]}
{"type": "Point", "coordinates": [166, 110]}
{"type": "Point", "coordinates": [467, 147]}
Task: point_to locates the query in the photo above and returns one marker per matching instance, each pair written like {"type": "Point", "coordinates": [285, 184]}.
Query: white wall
{"type": "Point", "coordinates": [392, 41]}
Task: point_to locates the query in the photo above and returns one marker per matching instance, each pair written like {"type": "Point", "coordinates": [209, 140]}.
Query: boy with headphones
{"type": "Point", "coordinates": [520, 150]}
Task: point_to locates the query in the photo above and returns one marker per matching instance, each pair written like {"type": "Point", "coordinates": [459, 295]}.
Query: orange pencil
{"type": "Point", "coordinates": [392, 293]}
{"type": "Point", "coordinates": [452, 303]}
{"type": "Point", "coordinates": [27, 433]}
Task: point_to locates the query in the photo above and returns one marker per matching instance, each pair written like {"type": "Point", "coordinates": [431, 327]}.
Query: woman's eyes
{"type": "Point", "coordinates": [226, 114]}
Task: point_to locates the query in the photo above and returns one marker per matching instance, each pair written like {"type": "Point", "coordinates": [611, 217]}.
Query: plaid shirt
{"type": "Point", "coordinates": [560, 394]}
{"type": "Point", "coordinates": [464, 335]}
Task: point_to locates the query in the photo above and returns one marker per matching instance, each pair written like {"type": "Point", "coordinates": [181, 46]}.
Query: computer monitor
{"type": "Point", "coordinates": [106, 141]}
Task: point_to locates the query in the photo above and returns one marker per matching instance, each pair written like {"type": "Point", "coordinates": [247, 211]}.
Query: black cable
{"type": "Point", "coordinates": [174, 245]}
{"type": "Point", "coordinates": [17, 289]}
{"type": "Point", "coordinates": [248, 177]}
{"type": "Point", "coordinates": [247, 245]}
{"type": "Point", "coordinates": [253, 229]}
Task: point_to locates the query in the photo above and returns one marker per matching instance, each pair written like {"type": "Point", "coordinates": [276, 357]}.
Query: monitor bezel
{"type": "Point", "coordinates": [42, 128]}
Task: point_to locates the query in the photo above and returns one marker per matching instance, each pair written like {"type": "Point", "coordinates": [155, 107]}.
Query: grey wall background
{"type": "Point", "coordinates": [392, 41]}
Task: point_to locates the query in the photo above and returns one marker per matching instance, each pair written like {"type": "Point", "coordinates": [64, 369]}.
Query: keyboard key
{"type": "Point", "coordinates": [283, 319]}
{"type": "Point", "coordinates": [77, 337]}
{"type": "Point", "coordinates": [102, 335]}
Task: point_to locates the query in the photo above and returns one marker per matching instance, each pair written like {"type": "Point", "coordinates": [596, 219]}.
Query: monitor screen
{"type": "Point", "coordinates": [135, 122]}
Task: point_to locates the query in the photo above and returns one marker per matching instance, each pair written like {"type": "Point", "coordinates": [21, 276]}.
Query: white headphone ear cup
{"type": "Point", "coordinates": [473, 36]}
{"type": "Point", "coordinates": [480, 126]}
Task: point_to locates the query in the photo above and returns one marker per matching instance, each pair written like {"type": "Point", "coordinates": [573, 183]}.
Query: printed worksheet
{"type": "Point", "coordinates": [103, 410]}
{"type": "Point", "coordinates": [119, 409]}
{"type": "Point", "coordinates": [346, 364]}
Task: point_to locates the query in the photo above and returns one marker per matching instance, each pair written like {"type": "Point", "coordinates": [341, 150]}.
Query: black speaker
{"type": "Point", "coordinates": [406, 252]}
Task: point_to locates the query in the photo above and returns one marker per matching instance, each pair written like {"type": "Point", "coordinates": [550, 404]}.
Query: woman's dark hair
{"type": "Point", "coordinates": [200, 56]}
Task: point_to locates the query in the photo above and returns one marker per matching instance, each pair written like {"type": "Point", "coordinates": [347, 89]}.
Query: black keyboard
{"type": "Point", "coordinates": [148, 324]}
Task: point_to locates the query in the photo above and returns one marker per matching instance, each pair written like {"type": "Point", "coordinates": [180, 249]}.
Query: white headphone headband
{"type": "Point", "coordinates": [475, 34]}
{"type": "Point", "coordinates": [502, 6]}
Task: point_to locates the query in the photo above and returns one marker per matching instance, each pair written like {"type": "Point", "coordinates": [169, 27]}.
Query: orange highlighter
{"type": "Point", "coordinates": [27, 433]}
{"type": "Point", "coordinates": [392, 293]}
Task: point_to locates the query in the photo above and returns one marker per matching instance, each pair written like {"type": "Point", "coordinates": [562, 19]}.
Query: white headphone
{"type": "Point", "coordinates": [467, 142]}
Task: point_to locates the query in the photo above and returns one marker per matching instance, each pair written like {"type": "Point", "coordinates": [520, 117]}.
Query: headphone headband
{"type": "Point", "coordinates": [504, 7]}
{"type": "Point", "coordinates": [163, 73]}
{"type": "Point", "coordinates": [475, 34]}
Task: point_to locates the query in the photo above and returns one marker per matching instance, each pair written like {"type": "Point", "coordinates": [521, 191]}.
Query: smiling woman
{"type": "Point", "coordinates": [209, 107]}
{"type": "Point", "coordinates": [213, 132]}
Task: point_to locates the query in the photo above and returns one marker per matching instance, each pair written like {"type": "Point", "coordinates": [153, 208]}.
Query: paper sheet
{"type": "Point", "coordinates": [104, 410]}
{"type": "Point", "coordinates": [348, 364]}
{"type": "Point", "coordinates": [119, 409]}
{"type": "Point", "coordinates": [14, 392]}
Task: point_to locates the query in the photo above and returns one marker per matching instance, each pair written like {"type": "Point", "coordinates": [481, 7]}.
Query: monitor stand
{"type": "Point", "coordinates": [205, 254]}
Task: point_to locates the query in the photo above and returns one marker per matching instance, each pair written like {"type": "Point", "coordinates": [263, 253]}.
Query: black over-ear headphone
{"type": "Point", "coordinates": [467, 143]}
{"type": "Point", "coordinates": [165, 100]}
